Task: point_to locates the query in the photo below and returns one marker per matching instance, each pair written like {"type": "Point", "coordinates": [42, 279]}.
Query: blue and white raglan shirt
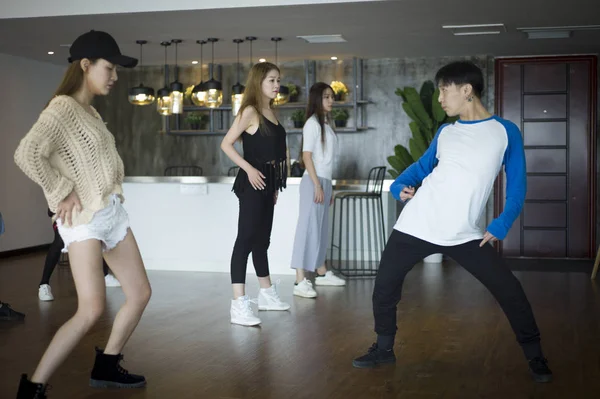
{"type": "Point", "coordinates": [457, 174]}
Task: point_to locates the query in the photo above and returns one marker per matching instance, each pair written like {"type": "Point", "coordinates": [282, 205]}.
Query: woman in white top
{"type": "Point", "coordinates": [319, 145]}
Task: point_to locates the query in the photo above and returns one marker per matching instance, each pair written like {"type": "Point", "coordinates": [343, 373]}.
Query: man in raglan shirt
{"type": "Point", "coordinates": [6, 312]}
{"type": "Point", "coordinates": [456, 174]}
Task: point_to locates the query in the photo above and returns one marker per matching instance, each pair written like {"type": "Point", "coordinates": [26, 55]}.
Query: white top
{"type": "Point", "coordinates": [458, 173]}
{"type": "Point", "coordinates": [323, 154]}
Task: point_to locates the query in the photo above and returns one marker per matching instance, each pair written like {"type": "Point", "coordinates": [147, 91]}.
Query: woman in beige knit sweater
{"type": "Point", "coordinates": [70, 153]}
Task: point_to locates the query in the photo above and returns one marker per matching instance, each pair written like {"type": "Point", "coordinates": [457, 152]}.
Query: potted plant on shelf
{"type": "Point", "coordinates": [340, 117]}
{"type": "Point", "coordinates": [339, 90]}
{"type": "Point", "coordinates": [427, 116]}
{"type": "Point", "coordinates": [293, 92]}
{"type": "Point", "coordinates": [196, 120]}
{"type": "Point", "coordinates": [298, 117]}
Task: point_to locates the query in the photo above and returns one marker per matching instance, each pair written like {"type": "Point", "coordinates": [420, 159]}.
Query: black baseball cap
{"type": "Point", "coordinates": [97, 44]}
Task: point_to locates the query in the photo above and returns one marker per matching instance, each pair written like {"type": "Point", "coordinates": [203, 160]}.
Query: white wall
{"type": "Point", "coordinates": [44, 8]}
{"type": "Point", "coordinates": [26, 87]}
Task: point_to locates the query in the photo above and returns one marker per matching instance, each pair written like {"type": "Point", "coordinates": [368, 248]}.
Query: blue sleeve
{"type": "Point", "coordinates": [516, 182]}
{"type": "Point", "coordinates": [415, 173]}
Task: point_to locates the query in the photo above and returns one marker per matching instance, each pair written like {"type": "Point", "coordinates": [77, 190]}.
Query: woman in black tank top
{"type": "Point", "coordinates": [263, 172]}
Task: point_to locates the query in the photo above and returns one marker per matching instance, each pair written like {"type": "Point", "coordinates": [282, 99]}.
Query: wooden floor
{"type": "Point", "coordinates": [453, 340]}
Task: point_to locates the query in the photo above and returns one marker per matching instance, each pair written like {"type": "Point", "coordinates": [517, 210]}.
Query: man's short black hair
{"type": "Point", "coordinates": [461, 73]}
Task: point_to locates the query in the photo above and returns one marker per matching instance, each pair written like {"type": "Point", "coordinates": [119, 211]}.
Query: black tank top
{"type": "Point", "coordinates": [266, 151]}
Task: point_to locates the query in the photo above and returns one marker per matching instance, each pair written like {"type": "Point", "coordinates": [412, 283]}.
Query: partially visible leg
{"type": "Point", "coordinates": [324, 277]}
{"type": "Point", "coordinates": [489, 268]}
{"type": "Point", "coordinates": [52, 258]}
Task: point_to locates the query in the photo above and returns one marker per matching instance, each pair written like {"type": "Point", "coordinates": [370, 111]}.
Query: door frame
{"type": "Point", "coordinates": [592, 143]}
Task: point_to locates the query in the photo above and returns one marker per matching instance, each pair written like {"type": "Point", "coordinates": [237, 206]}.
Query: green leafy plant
{"type": "Point", "coordinates": [427, 116]}
{"type": "Point", "coordinates": [196, 120]}
{"type": "Point", "coordinates": [298, 115]}
{"type": "Point", "coordinates": [340, 114]}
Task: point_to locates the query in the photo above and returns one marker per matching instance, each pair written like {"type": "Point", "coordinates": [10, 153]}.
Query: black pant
{"type": "Point", "coordinates": [53, 256]}
{"type": "Point", "coordinates": [403, 251]}
{"type": "Point", "coordinates": [254, 234]}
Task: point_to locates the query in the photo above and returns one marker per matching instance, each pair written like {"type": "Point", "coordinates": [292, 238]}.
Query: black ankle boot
{"type": "Point", "coordinates": [30, 390]}
{"type": "Point", "coordinates": [108, 373]}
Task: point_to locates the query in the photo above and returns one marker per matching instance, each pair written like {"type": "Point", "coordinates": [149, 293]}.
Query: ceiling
{"type": "Point", "coordinates": [384, 29]}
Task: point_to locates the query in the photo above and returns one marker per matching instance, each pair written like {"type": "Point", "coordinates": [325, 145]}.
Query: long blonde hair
{"type": "Point", "coordinates": [253, 96]}
{"type": "Point", "coordinates": [72, 80]}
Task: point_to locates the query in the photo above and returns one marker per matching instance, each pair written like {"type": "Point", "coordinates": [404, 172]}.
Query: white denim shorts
{"type": "Point", "coordinates": [108, 225]}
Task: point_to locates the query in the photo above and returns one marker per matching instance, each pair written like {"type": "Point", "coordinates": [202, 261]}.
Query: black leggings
{"type": "Point", "coordinates": [254, 234]}
{"type": "Point", "coordinates": [403, 251]}
{"type": "Point", "coordinates": [53, 256]}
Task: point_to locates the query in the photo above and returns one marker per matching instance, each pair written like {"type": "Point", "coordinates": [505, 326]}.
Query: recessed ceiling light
{"type": "Point", "coordinates": [262, 60]}
{"type": "Point", "coordinates": [334, 58]}
{"type": "Point", "coordinates": [323, 38]}
{"type": "Point", "coordinates": [50, 52]}
{"type": "Point", "coordinates": [475, 29]}
{"type": "Point", "coordinates": [194, 62]}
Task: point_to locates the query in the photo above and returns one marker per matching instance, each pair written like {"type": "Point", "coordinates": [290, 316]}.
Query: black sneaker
{"type": "Point", "coordinates": [9, 314]}
{"type": "Point", "coordinates": [538, 367]}
{"type": "Point", "coordinates": [108, 373]}
{"type": "Point", "coordinates": [374, 357]}
{"type": "Point", "coordinates": [30, 390]}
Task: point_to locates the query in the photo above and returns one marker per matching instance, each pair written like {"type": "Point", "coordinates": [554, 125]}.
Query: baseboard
{"type": "Point", "coordinates": [24, 251]}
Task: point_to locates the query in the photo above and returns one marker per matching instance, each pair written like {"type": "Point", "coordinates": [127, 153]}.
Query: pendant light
{"type": "Point", "coordinates": [214, 88]}
{"type": "Point", "coordinates": [199, 92]}
{"type": "Point", "coordinates": [176, 87]}
{"type": "Point", "coordinates": [284, 93]}
{"type": "Point", "coordinates": [141, 95]}
{"type": "Point", "coordinates": [237, 90]}
{"type": "Point", "coordinates": [163, 102]}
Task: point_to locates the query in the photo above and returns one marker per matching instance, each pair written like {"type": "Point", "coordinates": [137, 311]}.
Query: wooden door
{"type": "Point", "coordinates": [553, 101]}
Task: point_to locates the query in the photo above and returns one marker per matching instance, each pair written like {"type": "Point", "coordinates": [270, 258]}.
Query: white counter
{"type": "Point", "coordinates": [190, 223]}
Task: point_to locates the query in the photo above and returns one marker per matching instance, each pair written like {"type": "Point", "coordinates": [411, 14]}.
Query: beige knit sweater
{"type": "Point", "coordinates": [69, 149]}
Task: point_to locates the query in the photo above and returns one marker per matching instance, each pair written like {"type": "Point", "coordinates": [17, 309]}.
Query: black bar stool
{"type": "Point", "coordinates": [353, 207]}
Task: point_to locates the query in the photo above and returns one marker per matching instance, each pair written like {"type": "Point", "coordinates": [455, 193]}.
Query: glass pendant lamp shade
{"type": "Point", "coordinates": [199, 92]}
{"type": "Point", "coordinates": [214, 93]}
{"type": "Point", "coordinates": [163, 100]}
{"type": "Point", "coordinates": [237, 96]}
{"type": "Point", "coordinates": [176, 87]}
{"type": "Point", "coordinates": [283, 96]}
{"type": "Point", "coordinates": [141, 95]}
{"type": "Point", "coordinates": [214, 88]}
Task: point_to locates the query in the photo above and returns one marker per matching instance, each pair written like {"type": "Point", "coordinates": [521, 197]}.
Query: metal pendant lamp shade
{"type": "Point", "coordinates": [237, 90]}
{"type": "Point", "coordinates": [199, 91]}
{"type": "Point", "coordinates": [214, 88]}
{"type": "Point", "coordinates": [141, 95]}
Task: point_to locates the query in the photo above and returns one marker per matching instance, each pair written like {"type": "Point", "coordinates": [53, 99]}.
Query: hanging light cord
{"type": "Point", "coordinates": [238, 62]}
{"type": "Point", "coordinates": [201, 63]}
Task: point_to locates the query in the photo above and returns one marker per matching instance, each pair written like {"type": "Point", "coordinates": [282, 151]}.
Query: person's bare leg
{"type": "Point", "coordinates": [126, 263]}
{"type": "Point", "coordinates": [85, 258]}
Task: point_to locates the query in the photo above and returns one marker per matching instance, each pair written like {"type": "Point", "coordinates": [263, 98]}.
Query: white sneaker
{"type": "Point", "coordinates": [330, 279]}
{"type": "Point", "coordinates": [241, 312]}
{"type": "Point", "coordinates": [45, 293]}
{"type": "Point", "coordinates": [268, 299]}
{"type": "Point", "coordinates": [305, 289]}
{"type": "Point", "coordinates": [111, 281]}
